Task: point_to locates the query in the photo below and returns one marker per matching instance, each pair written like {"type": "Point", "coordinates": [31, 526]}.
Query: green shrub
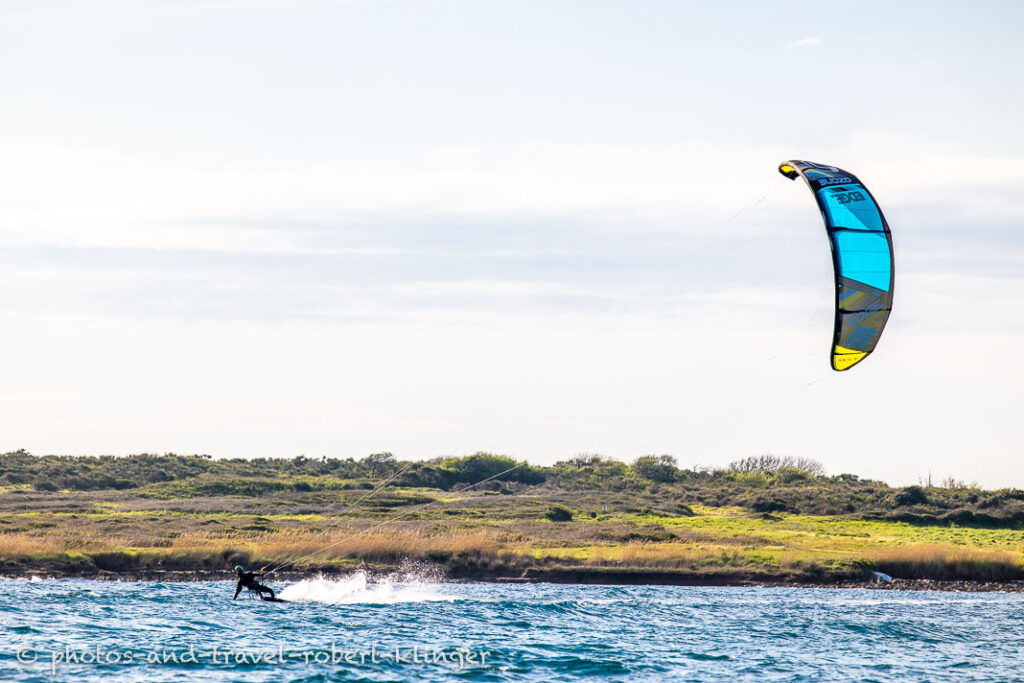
{"type": "Point", "coordinates": [911, 495]}
{"type": "Point", "coordinates": [559, 513]}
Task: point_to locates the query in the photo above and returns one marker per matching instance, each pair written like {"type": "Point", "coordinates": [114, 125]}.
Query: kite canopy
{"type": "Point", "coordinates": [861, 254]}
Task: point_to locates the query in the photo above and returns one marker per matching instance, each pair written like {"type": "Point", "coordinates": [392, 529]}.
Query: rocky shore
{"type": "Point", "coordinates": [565, 576]}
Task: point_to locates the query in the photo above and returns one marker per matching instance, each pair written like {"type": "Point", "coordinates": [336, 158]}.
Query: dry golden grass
{"type": "Point", "coordinates": [21, 546]}
{"type": "Point", "coordinates": [947, 561]}
{"type": "Point", "coordinates": [665, 555]}
{"type": "Point", "coordinates": [382, 545]}
{"type": "Point", "coordinates": [210, 549]}
{"type": "Point", "coordinates": [640, 554]}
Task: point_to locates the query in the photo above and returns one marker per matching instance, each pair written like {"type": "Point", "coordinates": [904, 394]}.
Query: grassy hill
{"type": "Point", "coordinates": [763, 518]}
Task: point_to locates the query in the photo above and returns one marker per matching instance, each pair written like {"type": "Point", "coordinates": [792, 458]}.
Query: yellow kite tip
{"type": "Point", "coordinates": [844, 358]}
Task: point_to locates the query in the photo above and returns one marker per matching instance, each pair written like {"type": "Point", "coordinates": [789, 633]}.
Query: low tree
{"type": "Point", "coordinates": [769, 463]}
{"type": "Point", "coordinates": [659, 468]}
{"type": "Point", "coordinates": [380, 464]}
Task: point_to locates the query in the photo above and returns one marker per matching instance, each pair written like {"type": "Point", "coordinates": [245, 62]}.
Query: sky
{"type": "Point", "coordinates": [257, 228]}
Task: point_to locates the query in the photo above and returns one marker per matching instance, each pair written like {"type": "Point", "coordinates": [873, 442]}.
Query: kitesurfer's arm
{"type": "Point", "coordinates": [238, 589]}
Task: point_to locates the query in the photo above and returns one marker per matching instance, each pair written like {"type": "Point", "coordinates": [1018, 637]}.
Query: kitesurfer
{"type": "Point", "coordinates": [251, 580]}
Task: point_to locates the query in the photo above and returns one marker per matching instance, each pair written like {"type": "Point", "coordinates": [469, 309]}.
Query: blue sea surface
{"type": "Point", "coordinates": [356, 630]}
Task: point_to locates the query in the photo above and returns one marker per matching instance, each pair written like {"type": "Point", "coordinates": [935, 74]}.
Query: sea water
{"type": "Point", "coordinates": [409, 629]}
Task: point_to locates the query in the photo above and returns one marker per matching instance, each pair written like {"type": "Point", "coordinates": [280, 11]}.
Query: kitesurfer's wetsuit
{"type": "Point", "coordinates": [249, 580]}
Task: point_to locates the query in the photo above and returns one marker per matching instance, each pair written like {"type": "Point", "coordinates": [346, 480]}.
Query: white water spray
{"type": "Point", "coordinates": [358, 588]}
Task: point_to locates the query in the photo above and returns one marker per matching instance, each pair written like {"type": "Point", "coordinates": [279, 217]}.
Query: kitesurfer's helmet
{"type": "Point", "coordinates": [239, 568]}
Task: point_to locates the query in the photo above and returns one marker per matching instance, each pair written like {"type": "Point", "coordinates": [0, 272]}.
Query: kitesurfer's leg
{"type": "Point", "coordinates": [267, 589]}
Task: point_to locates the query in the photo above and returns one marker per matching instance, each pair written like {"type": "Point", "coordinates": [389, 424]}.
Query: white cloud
{"type": "Point", "coordinates": [91, 198]}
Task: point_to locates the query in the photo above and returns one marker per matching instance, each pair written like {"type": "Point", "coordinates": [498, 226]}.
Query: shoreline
{"type": "Point", "coordinates": [553, 576]}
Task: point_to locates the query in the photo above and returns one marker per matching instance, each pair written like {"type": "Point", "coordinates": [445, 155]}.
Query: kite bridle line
{"type": "Point", "coordinates": [358, 503]}
{"type": "Point", "coordinates": [744, 407]}
{"type": "Point", "coordinates": [354, 506]}
{"type": "Point", "coordinates": [398, 517]}
{"type": "Point", "coordinates": [748, 206]}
